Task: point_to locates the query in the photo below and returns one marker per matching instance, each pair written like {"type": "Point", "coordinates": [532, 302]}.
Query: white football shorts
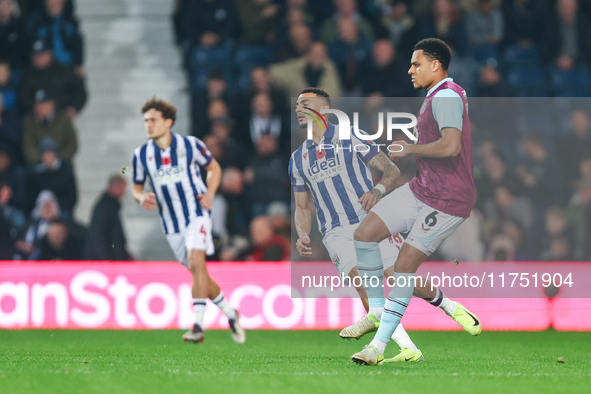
{"type": "Point", "coordinates": [339, 244]}
{"type": "Point", "coordinates": [401, 211]}
{"type": "Point", "coordinates": [197, 235]}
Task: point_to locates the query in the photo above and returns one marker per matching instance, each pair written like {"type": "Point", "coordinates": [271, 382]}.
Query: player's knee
{"type": "Point", "coordinates": [360, 235]}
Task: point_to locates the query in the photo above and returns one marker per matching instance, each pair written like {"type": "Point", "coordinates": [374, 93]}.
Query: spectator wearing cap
{"type": "Point", "coordinates": [56, 25]}
{"type": "Point", "coordinates": [12, 35]}
{"type": "Point", "coordinates": [58, 80]}
{"type": "Point", "coordinates": [48, 121]}
{"type": "Point", "coordinates": [53, 174]}
{"type": "Point", "coordinates": [105, 238]}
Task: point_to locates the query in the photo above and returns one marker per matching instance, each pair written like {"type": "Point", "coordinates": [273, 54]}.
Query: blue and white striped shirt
{"type": "Point", "coordinates": [175, 176]}
{"type": "Point", "coordinates": [336, 177]}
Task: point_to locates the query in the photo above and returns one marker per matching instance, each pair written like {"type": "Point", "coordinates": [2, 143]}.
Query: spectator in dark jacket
{"type": "Point", "coordinates": [217, 89]}
{"type": "Point", "coordinates": [565, 37]}
{"type": "Point", "coordinates": [56, 175]}
{"type": "Point", "coordinates": [58, 80]}
{"type": "Point", "coordinates": [388, 75]}
{"type": "Point", "coordinates": [266, 246]}
{"type": "Point", "coordinates": [541, 176]}
{"type": "Point", "coordinates": [7, 229]}
{"type": "Point", "coordinates": [206, 23]}
{"type": "Point", "coordinates": [46, 210]}
{"type": "Point", "coordinates": [105, 239]}
{"type": "Point", "coordinates": [60, 28]}
{"type": "Point", "coordinates": [13, 46]}
{"type": "Point", "coordinates": [573, 148]}
{"type": "Point", "coordinates": [492, 84]}
{"type": "Point", "coordinates": [265, 175]}
{"type": "Point", "coordinates": [351, 53]}
{"type": "Point", "coordinates": [258, 19]}
{"type": "Point", "coordinates": [58, 243]}
{"type": "Point", "coordinates": [524, 21]}
{"type": "Point", "coordinates": [14, 176]}
{"type": "Point", "coordinates": [46, 121]}
{"type": "Point", "coordinates": [11, 131]}
{"type": "Point", "coordinates": [9, 86]}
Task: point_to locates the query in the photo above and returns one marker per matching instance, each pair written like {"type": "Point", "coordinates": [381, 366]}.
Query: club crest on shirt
{"type": "Point", "coordinates": [335, 260]}
{"type": "Point", "coordinates": [423, 107]}
{"type": "Point", "coordinates": [338, 144]}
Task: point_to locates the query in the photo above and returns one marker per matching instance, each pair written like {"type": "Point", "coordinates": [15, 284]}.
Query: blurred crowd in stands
{"type": "Point", "coordinates": [246, 59]}
{"type": "Point", "coordinates": [42, 91]}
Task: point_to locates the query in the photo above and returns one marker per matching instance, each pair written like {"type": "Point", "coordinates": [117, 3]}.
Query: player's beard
{"type": "Point", "coordinates": [303, 125]}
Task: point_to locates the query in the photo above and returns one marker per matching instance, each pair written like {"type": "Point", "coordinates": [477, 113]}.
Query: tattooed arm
{"type": "Point", "coordinates": [390, 172]}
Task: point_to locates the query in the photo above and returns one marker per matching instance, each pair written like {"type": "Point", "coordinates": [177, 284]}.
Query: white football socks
{"type": "Point", "coordinates": [221, 303]}
{"type": "Point", "coordinates": [400, 336]}
{"type": "Point", "coordinates": [199, 309]}
{"type": "Point", "coordinates": [376, 311]}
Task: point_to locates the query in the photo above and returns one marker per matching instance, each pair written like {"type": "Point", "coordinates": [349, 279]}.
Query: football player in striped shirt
{"type": "Point", "coordinates": [336, 173]}
{"type": "Point", "coordinates": [173, 163]}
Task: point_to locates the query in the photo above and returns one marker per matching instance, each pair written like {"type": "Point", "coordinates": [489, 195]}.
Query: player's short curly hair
{"type": "Point", "coordinates": [167, 110]}
{"type": "Point", "coordinates": [435, 49]}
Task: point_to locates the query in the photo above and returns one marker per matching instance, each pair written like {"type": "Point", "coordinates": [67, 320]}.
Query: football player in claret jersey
{"type": "Point", "coordinates": [434, 203]}
{"type": "Point", "coordinates": [336, 173]}
{"type": "Point", "coordinates": [172, 163]}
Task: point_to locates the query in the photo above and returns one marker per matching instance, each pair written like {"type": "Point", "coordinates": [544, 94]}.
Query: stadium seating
{"type": "Point", "coordinates": [204, 60]}
{"type": "Point", "coordinates": [575, 82]}
{"type": "Point", "coordinates": [527, 80]}
{"type": "Point", "coordinates": [248, 57]}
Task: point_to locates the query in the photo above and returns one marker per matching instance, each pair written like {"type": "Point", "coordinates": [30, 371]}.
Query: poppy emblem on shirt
{"type": "Point", "coordinates": [166, 160]}
{"type": "Point", "coordinates": [320, 153]}
{"type": "Point", "coordinates": [305, 155]}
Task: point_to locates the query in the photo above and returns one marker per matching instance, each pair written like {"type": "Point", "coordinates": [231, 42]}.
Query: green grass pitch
{"type": "Point", "coordinates": [288, 362]}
